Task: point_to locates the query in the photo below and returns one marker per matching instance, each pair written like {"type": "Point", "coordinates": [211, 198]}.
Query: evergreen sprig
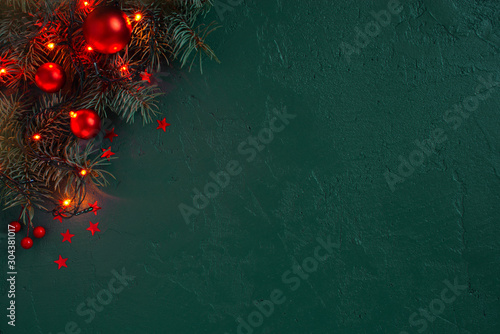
{"type": "Point", "coordinates": [39, 173]}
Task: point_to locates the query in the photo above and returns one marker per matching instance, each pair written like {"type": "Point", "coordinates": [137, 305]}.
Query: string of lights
{"type": "Point", "coordinates": [61, 71]}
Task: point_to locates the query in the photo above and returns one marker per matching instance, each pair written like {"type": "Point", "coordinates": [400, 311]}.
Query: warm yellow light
{"type": "Point", "coordinates": [3, 71]}
{"type": "Point", "coordinates": [85, 3]}
{"type": "Point", "coordinates": [51, 46]}
{"type": "Point", "coordinates": [124, 68]}
{"type": "Point", "coordinates": [83, 172]}
{"type": "Point", "coordinates": [36, 136]}
{"type": "Point", "coordinates": [138, 16]}
{"type": "Point", "coordinates": [67, 202]}
{"type": "Point", "coordinates": [89, 48]}
{"type": "Point", "coordinates": [72, 114]}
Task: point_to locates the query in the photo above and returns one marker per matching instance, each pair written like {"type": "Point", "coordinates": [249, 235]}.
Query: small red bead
{"type": "Point", "coordinates": [26, 243]}
{"type": "Point", "coordinates": [15, 226]}
{"type": "Point", "coordinates": [39, 232]}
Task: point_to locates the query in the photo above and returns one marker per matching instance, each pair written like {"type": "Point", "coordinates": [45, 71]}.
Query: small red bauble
{"type": "Point", "coordinates": [15, 227]}
{"type": "Point", "coordinates": [26, 243]}
{"type": "Point", "coordinates": [39, 232]}
{"type": "Point", "coordinates": [85, 123]}
{"type": "Point", "coordinates": [50, 77]}
{"type": "Point", "coordinates": [107, 29]}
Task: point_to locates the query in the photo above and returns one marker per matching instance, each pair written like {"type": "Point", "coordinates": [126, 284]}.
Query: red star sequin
{"type": "Point", "coordinates": [94, 207]}
{"type": "Point", "coordinates": [145, 76]}
{"type": "Point", "coordinates": [107, 153]}
{"type": "Point", "coordinates": [58, 216]}
{"type": "Point", "coordinates": [67, 236]}
{"type": "Point", "coordinates": [93, 228]}
{"type": "Point", "coordinates": [111, 134]}
{"type": "Point", "coordinates": [163, 124]}
{"type": "Point", "coordinates": [61, 262]}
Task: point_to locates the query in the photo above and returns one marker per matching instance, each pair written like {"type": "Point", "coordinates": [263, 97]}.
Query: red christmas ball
{"type": "Point", "coordinates": [15, 226]}
{"type": "Point", "coordinates": [50, 77]}
{"type": "Point", "coordinates": [39, 232]}
{"type": "Point", "coordinates": [26, 243]}
{"type": "Point", "coordinates": [107, 29]}
{"type": "Point", "coordinates": [85, 123]}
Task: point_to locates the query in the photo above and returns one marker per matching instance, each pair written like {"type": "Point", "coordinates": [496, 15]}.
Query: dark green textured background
{"type": "Point", "coordinates": [323, 175]}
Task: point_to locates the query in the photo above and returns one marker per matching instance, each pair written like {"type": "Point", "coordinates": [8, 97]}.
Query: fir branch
{"type": "Point", "coordinates": [187, 41]}
{"type": "Point", "coordinates": [134, 97]}
{"type": "Point", "coordinates": [38, 173]}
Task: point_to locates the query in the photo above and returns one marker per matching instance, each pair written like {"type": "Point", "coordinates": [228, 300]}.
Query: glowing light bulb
{"type": "Point", "coordinates": [85, 3]}
{"type": "Point", "coordinates": [36, 136]}
{"type": "Point", "coordinates": [83, 172]}
{"type": "Point", "coordinates": [67, 202]}
{"type": "Point", "coordinates": [72, 114]}
{"type": "Point", "coordinates": [124, 68]}
{"type": "Point", "coordinates": [3, 71]}
{"type": "Point", "coordinates": [51, 46]}
{"type": "Point", "coordinates": [138, 17]}
{"type": "Point", "coordinates": [89, 48]}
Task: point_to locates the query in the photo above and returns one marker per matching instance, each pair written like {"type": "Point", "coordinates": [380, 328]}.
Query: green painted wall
{"type": "Point", "coordinates": [423, 258]}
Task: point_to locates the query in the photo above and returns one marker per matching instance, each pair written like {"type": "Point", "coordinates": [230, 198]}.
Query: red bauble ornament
{"type": "Point", "coordinates": [15, 226]}
{"type": "Point", "coordinates": [39, 232]}
{"type": "Point", "coordinates": [107, 29]}
{"type": "Point", "coordinates": [26, 243]}
{"type": "Point", "coordinates": [50, 77]}
{"type": "Point", "coordinates": [85, 123]}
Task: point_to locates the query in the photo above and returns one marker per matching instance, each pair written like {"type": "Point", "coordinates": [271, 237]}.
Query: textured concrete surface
{"type": "Point", "coordinates": [423, 258]}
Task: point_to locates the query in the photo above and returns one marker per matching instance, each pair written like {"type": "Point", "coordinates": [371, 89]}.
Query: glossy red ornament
{"type": "Point", "coordinates": [85, 123]}
{"type": "Point", "coordinates": [50, 77]}
{"type": "Point", "coordinates": [26, 243]}
{"type": "Point", "coordinates": [15, 226]}
{"type": "Point", "coordinates": [39, 232]}
{"type": "Point", "coordinates": [107, 29]}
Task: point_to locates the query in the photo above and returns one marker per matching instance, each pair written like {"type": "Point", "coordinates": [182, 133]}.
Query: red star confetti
{"type": "Point", "coordinates": [111, 134]}
{"type": "Point", "coordinates": [67, 236]}
{"type": "Point", "coordinates": [162, 124]}
{"type": "Point", "coordinates": [58, 216]}
{"type": "Point", "coordinates": [93, 228]}
{"type": "Point", "coordinates": [107, 153]}
{"type": "Point", "coordinates": [145, 76]}
{"type": "Point", "coordinates": [94, 207]}
{"type": "Point", "coordinates": [61, 262]}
